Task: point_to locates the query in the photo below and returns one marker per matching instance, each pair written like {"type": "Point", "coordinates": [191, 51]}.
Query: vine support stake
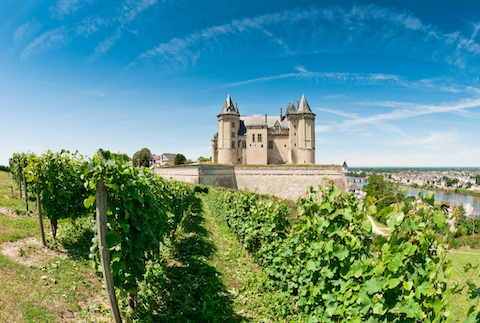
{"type": "Point", "coordinates": [25, 186]}
{"type": "Point", "coordinates": [40, 218]}
{"type": "Point", "coordinates": [101, 205]}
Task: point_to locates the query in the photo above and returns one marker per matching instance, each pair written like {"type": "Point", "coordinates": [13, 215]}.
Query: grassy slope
{"type": "Point", "coordinates": [52, 291]}
{"type": "Point", "coordinates": [251, 300]}
{"type": "Point", "coordinates": [461, 304]}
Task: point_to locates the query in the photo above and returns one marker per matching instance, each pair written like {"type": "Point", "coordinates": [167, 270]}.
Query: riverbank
{"type": "Point", "coordinates": [431, 187]}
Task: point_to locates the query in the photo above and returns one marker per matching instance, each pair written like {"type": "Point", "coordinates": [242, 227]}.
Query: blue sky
{"type": "Point", "coordinates": [392, 83]}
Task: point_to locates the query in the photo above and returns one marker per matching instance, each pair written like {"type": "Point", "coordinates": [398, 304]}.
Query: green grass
{"type": "Point", "coordinates": [49, 293]}
{"type": "Point", "coordinates": [57, 290]}
{"type": "Point", "coordinates": [12, 229]}
{"type": "Point", "coordinates": [13, 202]}
{"type": "Point", "coordinates": [461, 303]}
{"type": "Point", "coordinates": [251, 299]}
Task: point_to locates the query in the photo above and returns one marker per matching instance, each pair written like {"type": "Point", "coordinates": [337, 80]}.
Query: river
{"type": "Point", "coordinates": [449, 196]}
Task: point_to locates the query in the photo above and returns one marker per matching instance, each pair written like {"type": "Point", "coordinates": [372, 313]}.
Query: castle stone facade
{"type": "Point", "coordinates": [261, 140]}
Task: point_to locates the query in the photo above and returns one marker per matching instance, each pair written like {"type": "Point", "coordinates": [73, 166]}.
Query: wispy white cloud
{"type": "Point", "coordinates": [358, 28]}
{"type": "Point", "coordinates": [47, 41]}
{"type": "Point", "coordinates": [66, 7]}
{"type": "Point", "coordinates": [339, 112]}
{"type": "Point", "coordinates": [385, 122]}
{"type": "Point", "coordinates": [434, 139]}
{"type": "Point", "coordinates": [323, 128]}
{"type": "Point", "coordinates": [105, 45]}
{"type": "Point", "coordinates": [329, 77]}
{"type": "Point", "coordinates": [116, 20]}
{"type": "Point", "coordinates": [181, 49]}
{"type": "Point", "coordinates": [333, 96]}
{"type": "Point", "coordinates": [26, 31]}
{"type": "Point", "coordinates": [132, 8]}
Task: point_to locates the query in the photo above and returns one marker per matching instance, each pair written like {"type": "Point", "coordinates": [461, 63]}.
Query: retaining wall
{"type": "Point", "coordinates": [287, 182]}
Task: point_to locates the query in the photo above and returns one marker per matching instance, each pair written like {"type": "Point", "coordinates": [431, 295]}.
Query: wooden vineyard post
{"type": "Point", "coordinates": [101, 205]}
{"type": "Point", "coordinates": [25, 186]}
{"type": "Point", "coordinates": [40, 219]}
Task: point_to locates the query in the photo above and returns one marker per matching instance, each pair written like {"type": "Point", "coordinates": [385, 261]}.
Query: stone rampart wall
{"type": "Point", "coordinates": [287, 182]}
{"type": "Point", "coordinates": [217, 175]}
{"type": "Point", "coordinates": [182, 173]}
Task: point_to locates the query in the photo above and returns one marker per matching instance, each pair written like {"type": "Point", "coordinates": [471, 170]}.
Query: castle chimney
{"type": "Point", "coordinates": [281, 115]}
{"type": "Point", "coordinates": [265, 118]}
{"type": "Point", "coordinates": [236, 106]}
{"type": "Point", "coordinates": [298, 105]}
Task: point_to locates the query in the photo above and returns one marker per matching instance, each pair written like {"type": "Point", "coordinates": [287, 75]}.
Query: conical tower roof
{"type": "Point", "coordinates": [291, 109]}
{"type": "Point", "coordinates": [228, 107]}
{"type": "Point", "coordinates": [304, 107]}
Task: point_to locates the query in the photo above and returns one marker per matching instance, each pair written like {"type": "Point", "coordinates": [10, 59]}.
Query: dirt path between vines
{"type": "Point", "coordinates": [376, 229]}
{"type": "Point", "coordinates": [29, 252]}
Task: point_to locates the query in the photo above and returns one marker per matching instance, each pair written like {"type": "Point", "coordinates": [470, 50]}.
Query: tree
{"type": "Point", "coordinates": [477, 180]}
{"type": "Point", "coordinates": [202, 159]}
{"type": "Point", "coordinates": [451, 182]}
{"type": "Point", "coordinates": [383, 191]}
{"type": "Point", "coordinates": [180, 159]}
{"type": "Point", "coordinates": [142, 158]}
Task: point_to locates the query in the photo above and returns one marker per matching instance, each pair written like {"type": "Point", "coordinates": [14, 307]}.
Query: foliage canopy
{"type": "Point", "coordinates": [142, 158]}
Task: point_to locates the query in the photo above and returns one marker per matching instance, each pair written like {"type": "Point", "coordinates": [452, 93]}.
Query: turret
{"type": "Point", "coordinates": [228, 126]}
{"type": "Point", "coordinates": [306, 133]}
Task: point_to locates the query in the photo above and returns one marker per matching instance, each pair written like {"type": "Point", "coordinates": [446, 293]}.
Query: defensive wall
{"type": "Point", "coordinates": [287, 182]}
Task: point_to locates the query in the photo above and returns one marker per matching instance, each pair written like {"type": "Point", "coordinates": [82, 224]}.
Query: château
{"type": "Point", "coordinates": [261, 140]}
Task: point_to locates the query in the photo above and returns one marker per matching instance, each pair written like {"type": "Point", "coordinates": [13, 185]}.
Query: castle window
{"type": "Point", "coordinates": [259, 137]}
{"type": "Point", "coordinates": [233, 134]}
{"type": "Point", "coordinates": [239, 144]}
{"type": "Point", "coordinates": [233, 124]}
{"type": "Point", "coordinates": [233, 144]}
{"type": "Point", "coordinates": [277, 128]}
{"type": "Point", "coordinates": [244, 144]}
{"type": "Point", "coordinates": [253, 138]}
{"type": "Point", "coordinates": [270, 144]}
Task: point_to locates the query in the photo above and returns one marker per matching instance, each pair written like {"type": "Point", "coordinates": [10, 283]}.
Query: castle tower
{"type": "Point", "coordinates": [293, 119]}
{"type": "Point", "coordinates": [228, 126]}
{"type": "Point", "coordinates": [305, 133]}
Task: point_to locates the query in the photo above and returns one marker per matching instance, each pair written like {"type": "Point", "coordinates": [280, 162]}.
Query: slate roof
{"type": "Point", "coordinates": [259, 120]}
{"type": "Point", "coordinates": [303, 107]}
{"type": "Point", "coordinates": [168, 157]}
{"type": "Point", "coordinates": [228, 107]}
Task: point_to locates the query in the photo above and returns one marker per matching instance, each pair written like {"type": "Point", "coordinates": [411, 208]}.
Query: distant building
{"type": "Point", "coordinates": [345, 167]}
{"type": "Point", "coordinates": [261, 140]}
{"type": "Point", "coordinates": [163, 160]}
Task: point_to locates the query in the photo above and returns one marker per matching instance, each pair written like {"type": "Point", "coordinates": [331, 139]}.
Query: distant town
{"type": "Point", "coordinates": [463, 182]}
{"type": "Point", "coordinates": [445, 179]}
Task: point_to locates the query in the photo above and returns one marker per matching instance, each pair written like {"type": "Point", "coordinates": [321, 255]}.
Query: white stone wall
{"type": "Point", "coordinates": [287, 182]}
{"type": "Point", "coordinates": [182, 173]}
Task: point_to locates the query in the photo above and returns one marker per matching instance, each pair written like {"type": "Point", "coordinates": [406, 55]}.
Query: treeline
{"type": "Point", "coordinates": [332, 268]}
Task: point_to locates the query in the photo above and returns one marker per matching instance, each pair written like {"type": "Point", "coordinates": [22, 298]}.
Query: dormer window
{"type": "Point", "coordinates": [277, 128]}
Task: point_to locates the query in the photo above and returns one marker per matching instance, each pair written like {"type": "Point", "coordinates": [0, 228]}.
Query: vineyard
{"type": "Point", "coordinates": [317, 262]}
